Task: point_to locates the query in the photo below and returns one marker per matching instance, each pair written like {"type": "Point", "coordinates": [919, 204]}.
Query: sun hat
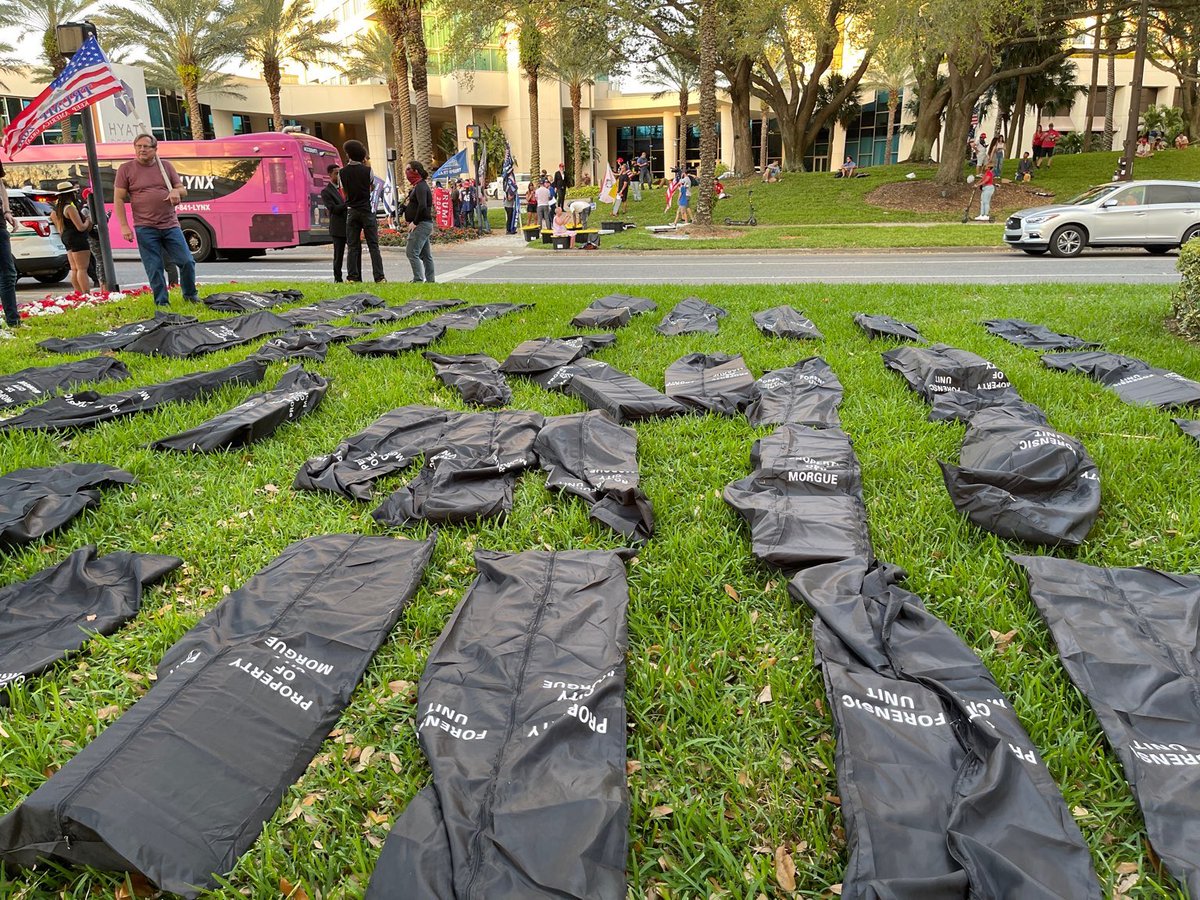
{"type": "Point", "coordinates": [64, 187]}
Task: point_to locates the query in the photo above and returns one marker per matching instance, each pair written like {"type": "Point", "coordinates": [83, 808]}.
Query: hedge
{"type": "Point", "coordinates": [1186, 299]}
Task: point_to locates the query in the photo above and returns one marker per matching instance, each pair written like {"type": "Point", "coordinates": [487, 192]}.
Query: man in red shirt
{"type": "Point", "coordinates": [153, 190]}
{"type": "Point", "coordinates": [1049, 141]}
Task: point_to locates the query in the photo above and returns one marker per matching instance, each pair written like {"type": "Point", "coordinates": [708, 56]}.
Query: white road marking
{"type": "Point", "coordinates": [466, 271]}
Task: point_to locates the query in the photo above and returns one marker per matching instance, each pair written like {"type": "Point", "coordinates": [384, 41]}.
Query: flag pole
{"type": "Point", "coordinates": [106, 258]}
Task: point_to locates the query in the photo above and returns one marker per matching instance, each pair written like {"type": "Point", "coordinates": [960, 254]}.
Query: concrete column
{"type": "Point", "coordinates": [726, 151]}
{"type": "Point", "coordinates": [600, 124]}
{"type": "Point", "coordinates": [670, 123]}
{"type": "Point", "coordinates": [222, 123]}
{"type": "Point", "coordinates": [377, 132]}
{"type": "Point", "coordinates": [550, 123]}
{"type": "Point", "coordinates": [463, 116]}
{"type": "Point", "coordinates": [837, 146]}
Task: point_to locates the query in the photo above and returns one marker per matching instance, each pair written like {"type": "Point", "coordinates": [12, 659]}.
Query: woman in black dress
{"type": "Point", "coordinates": [68, 218]}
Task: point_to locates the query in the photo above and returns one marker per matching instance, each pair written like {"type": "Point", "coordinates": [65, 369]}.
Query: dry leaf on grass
{"type": "Point", "coordinates": [764, 696]}
{"type": "Point", "coordinates": [1003, 639]}
{"type": "Point", "coordinates": [733, 594]}
{"type": "Point", "coordinates": [1124, 885]}
{"type": "Point", "coordinates": [632, 766]}
{"type": "Point", "coordinates": [107, 712]}
{"type": "Point", "coordinates": [292, 892]}
{"type": "Point", "coordinates": [136, 886]}
{"type": "Point", "coordinates": [661, 812]}
{"type": "Point", "coordinates": [785, 869]}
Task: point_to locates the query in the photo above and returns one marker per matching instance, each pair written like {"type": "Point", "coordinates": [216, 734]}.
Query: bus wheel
{"type": "Point", "coordinates": [199, 239]}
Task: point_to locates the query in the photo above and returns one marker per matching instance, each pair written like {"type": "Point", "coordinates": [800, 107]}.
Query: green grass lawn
{"type": "Point", "coordinates": [819, 199]}
{"type": "Point", "coordinates": [709, 627]}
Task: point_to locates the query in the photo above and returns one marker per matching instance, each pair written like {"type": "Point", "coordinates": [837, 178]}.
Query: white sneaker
{"type": "Point", "coordinates": [983, 218]}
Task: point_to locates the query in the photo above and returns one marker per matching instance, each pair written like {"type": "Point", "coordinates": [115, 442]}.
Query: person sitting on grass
{"type": "Point", "coordinates": [560, 227]}
{"type": "Point", "coordinates": [1181, 141]}
{"type": "Point", "coordinates": [1025, 167]}
{"type": "Point", "coordinates": [771, 175]}
{"type": "Point", "coordinates": [848, 169]}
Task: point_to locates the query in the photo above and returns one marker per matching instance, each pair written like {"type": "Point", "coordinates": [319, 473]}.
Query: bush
{"type": "Point", "coordinates": [1186, 299]}
{"type": "Point", "coordinates": [391, 238]}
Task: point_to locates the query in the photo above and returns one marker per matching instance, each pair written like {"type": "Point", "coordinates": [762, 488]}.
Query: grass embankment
{"type": "Point", "coordinates": [819, 199]}
{"type": "Point", "coordinates": [709, 626]}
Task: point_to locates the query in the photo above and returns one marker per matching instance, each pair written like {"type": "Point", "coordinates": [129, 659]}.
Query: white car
{"type": "Point", "coordinates": [37, 248]}
{"type": "Point", "coordinates": [496, 188]}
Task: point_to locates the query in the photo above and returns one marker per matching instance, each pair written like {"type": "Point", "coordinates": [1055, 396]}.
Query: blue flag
{"type": "Point", "coordinates": [509, 181]}
{"type": "Point", "coordinates": [453, 167]}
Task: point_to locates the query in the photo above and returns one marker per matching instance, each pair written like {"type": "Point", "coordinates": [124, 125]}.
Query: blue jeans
{"type": "Point", "coordinates": [8, 277]}
{"type": "Point", "coordinates": [155, 246]}
{"type": "Point", "coordinates": [417, 248]}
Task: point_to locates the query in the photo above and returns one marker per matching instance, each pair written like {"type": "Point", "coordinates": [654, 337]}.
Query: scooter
{"type": "Point", "coordinates": [970, 199]}
{"type": "Point", "coordinates": [749, 221]}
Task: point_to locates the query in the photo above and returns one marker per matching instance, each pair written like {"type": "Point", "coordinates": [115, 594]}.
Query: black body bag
{"type": "Point", "coordinates": [943, 794]}
{"type": "Point", "coordinates": [399, 341]}
{"type": "Point", "coordinates": [887, 327]}
{"type": "Point", "coordinates": [51, 615]}
{"type": "Point", "coordinates": [311, 343]}
{"type": "Point", "coordinates": [786, 322]}
{"type": "Point", "coordinates": [331, 309]}
{"type": "Point", "coordinates": [691, 315]}
{"type": "Point", "coordinates": [179, 787]}
{"type": "Point", "coordinates": [476, 377]}
{"type": "Point", "coordinates": [1019, 478]}
{"type": "Point", "coordinates": [198, 338]}
{"type": "Point", "coordinates": [115, 338]}
{"type": "Point", "coordinates": [469, 318]}
{"type": "Point", "coordinates": [37, 382]}
{"type": "Point", "coordinates": [36, 501]}
{"type": "Point", "coordinates": [295, 395]}
{"type": "Point", "coordinates": [803, 501]}
{"type": "Point", "coordinates": [1133, 380]}
{"type": "Point", "coordinates": [1035, 337]}
{"type": "Point", "coordinates": [604, 387]}
{"type": "Point", "coordinates": [87, 408]}
{"type": "Point", "coordinates": [591, 456]}
{"type": "Point", "coordinates": [807, 393]}
{"type": "Point", "coordinates": [540, 359]}
{"type": "Point", "coordinates": [1128, 639]}
{"type": "Point", "coordinates": [249, 301]}
{"type": "Point", "coordinates": [521, 714]}
{"type": "Point", "coordinates": [411, 308]}
{"type": "Point", "coordinates": [710, 382]}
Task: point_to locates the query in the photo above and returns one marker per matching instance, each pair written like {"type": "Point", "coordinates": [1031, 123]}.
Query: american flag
{"type": "Point", "coordinates": [510, 183]}
{"type": "Point", "coordinates": [87, 79]}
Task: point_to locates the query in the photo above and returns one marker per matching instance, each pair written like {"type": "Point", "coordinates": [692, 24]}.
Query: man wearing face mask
{"type": "Point", "coordinates": [418, 213]}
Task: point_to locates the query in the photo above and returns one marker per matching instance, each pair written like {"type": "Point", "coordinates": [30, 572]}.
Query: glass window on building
{"type": "Point", "coordinates": [633, 140]}
{"type": "Point", "coordinates": [693, 145]}
{"type": "Point", "coordinates": [867, 137]}
{"type": "Point", "coordinates": [241, 124]}
{"type": "Point", "coordinates": [817, 157]}
{"type": "Point", "coordinates": [774, 140]}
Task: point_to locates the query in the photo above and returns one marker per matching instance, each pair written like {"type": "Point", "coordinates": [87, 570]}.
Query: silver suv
{"type": "Point", "coordinates": [37, 248]}
{"type": "Point", "coordinates": [1157, 215]}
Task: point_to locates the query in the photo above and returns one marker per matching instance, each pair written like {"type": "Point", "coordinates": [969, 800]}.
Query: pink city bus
{"type": "Point", "coordinates": [245, 194]}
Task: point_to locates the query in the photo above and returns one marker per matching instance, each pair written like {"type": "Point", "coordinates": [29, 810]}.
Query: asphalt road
{"type": "Point", "coordinates": [505, 260]}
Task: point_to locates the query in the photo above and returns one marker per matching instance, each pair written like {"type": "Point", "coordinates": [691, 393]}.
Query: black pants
{"type": "Point", "coordinates": [339, 252]}
{"type": "Point", "coordinates": [360, 224]}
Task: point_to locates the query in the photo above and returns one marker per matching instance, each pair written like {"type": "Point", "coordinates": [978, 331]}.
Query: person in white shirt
{"type": "Point", "coordinates": [544, 216]}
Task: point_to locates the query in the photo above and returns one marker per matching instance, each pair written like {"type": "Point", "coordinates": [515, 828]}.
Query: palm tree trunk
{"type": "Point", "coordinates": [893, 103]}
{"type": "Point", "coordinates": [400, 62]}
{"type": "Point", "coordinates": [272, 78]}
{"type": "Point", "coordinates": [535, 144]}
{"type": "Point", "coordinates": [1110, 95]}
{"type": "Point", "coordinates": [708, 110]}
{"type": "Point", "coordinates": [763, 158]}
{"type": "Point", "coordinates": [1018, 108]}
{"type": "Point", "coordinates": [397, 123]}
{"type": "Point", "coordinates": [576, 132]}
{"type": "Point", "coordinates": [191, 94]}
{"type": "Point", "coordinates": [1087, 126]}
{"type": "Point", "coordinates": [418, 56]}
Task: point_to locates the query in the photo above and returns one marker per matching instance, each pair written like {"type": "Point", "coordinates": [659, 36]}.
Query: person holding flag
{"type": "Point", "coordinates": [152, 189]}
{"type": "Point", "coordinates": [513, 208]}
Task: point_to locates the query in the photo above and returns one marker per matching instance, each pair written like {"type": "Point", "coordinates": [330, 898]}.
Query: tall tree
{"type": "Point", "coordinates": [404, 21]}
{"type": "Point", "coordinates": [581, 44]}
{"type": "Point", "coordinates": [277, 32]}
{"type": "Point", "coordinates": [371, 59]}
{"type": "Point", "coordinates": [44, 16]}
{"type": "Point", "coordinates": [807, 34]}
{"type": "Point", "coordinates": [1113, 28]}
{"type": "Point", "coordinates": [1093, 86]}
{"type": "Point", "coordinates": [708, 110]}
{"type": "Point", "coordinates": [186, 41]}
{"type": "Point", "coordinates": [677, 74]}
{"type": "Point", "coordinates": [1175, 48]}
{"type": "Point", "coordinates": [391, 19]}
{"type": "Point", "coordinates": [890, 71]}
{"type": "Point", "coordinates": [531, 54]}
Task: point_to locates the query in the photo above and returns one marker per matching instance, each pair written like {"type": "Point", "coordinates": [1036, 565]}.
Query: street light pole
{"type": "Point", "coordinates": [71, 36]}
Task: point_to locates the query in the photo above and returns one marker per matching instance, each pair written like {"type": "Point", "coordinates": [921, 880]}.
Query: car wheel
{"type": "Point", "coordinates": [54, 277]}
{"type": "Point", "coordinates": [1192, 234]}
{"type": "Point", "coordinates": [1034, 251]}
{"type": "Point", "coordinates": [1068, 241]}
{"type": "Point", "coordinates": [1160, 249]}
{"type": "Point", "coordinates": [198, 239]}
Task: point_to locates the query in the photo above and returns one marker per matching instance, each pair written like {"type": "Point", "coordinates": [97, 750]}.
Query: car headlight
{"type": "Point", "coordinates": [1038, 220]}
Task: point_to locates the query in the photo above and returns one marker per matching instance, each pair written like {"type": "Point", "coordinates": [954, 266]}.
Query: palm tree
{"type": "Point", "coordinates": [582, 44]}
{"type": "Point", "coordinates": [277, 31]}
{"type": "Point", "coordinates": [708, 110]}
{"type": "Point", "coordinates": [531, 54]}
{"type": "Point", "coordinates": [890, 71]}
{"type": "Point", "coordinates": [392, 20]}
{"type": "Point", "coordinates": [404, 21]}
{"type": "Point", "coordinates": [186, 42]}
{"type": "Point", "coordinates": [372, 58]}
{"type": "Point", "coordinates": [678, 74]}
